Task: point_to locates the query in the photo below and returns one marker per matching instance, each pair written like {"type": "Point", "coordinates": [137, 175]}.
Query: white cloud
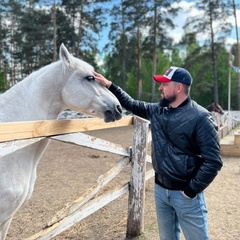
{"type": "Point", "coordinates": [188, 9]}
{"type": "Point", "coordinates": [99, 60]}
{"type": "Point", "coordinates": [232, 19]}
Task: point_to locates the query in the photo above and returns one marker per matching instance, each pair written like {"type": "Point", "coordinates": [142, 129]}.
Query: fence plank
{"type": "Point", "coordinates": [89, 193]}
{"type": "Point", "coordinates": [92, 142]}
{"type": "Point", "coordinates": [10, 147]}
{"type": "Point", "coordinates": [136, 202]}
{"type": "Point", "coordinates": [33, 129]}
{"type": "Point", "coordinates": [90, 207]}
{"type": "Point", "coordinates": [149, 174]}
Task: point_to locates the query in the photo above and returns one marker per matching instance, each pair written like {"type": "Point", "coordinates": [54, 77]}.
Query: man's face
{"type": "Point", "coordinates": [168, 92]}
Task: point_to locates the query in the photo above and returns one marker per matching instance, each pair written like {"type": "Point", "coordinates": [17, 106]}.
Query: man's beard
{"type": "Point", "coordinates": [164, 102]}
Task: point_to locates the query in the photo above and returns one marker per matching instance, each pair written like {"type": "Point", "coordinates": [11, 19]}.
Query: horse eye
{"type": "Point", "coordinates": [90, 78]}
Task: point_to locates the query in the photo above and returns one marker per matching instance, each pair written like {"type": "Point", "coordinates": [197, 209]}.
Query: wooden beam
{"type": "Point", "coordinates": [136, 200]}
{"type": "Point", "coordinates": [10, 147]}
{"type": "Point", "coordinates": [85, 140]}
{"type": "Point", "coordinates": [32, 129]}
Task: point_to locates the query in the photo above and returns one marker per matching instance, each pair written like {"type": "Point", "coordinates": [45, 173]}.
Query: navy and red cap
{"type": "Point", "coordinates": [176, 74]}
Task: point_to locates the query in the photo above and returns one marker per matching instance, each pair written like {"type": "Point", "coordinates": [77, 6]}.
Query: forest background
{"type": "Point", "coordinates": [138, 39]}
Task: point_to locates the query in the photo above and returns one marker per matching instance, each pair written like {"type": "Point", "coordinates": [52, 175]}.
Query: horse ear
{"type": "Point", "coordinates": [65, 56]}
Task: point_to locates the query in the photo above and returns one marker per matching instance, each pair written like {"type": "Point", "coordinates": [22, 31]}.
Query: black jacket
{"type": "Point", "coordinates": [185, 144]}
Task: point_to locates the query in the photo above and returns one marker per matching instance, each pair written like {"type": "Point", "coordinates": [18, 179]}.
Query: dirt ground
{"type": "Point", "coordinates": [66, 171]}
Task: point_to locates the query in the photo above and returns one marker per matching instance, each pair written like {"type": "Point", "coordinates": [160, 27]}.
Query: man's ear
{"type": "Point", "coordinates": [180, 87]}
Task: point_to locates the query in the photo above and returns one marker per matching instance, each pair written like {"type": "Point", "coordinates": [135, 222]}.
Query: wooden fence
{"type": "Point", "coordinates": [17, 135]}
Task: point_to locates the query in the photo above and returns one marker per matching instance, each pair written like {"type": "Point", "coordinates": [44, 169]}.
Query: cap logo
{"type": "Point", "coordinates": [169, 73]}
{"type": "Point", "coordinates": [176, 74]}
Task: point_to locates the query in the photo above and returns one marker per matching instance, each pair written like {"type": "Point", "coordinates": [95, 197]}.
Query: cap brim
{"type": "Point", "coordinates": [160, 78]}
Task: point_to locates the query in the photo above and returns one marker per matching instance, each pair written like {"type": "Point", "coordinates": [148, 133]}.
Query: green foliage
{"type": "Point", "coordinates": [65, 31]}
{"type": "Point", "coordinates": [132, 84]}
{"type": "Point", "coordinates": [3, 83]}
{"type": "Point", "coordinates": [215, 12]}
{"type": "Point", "coordinates": [2, 88]}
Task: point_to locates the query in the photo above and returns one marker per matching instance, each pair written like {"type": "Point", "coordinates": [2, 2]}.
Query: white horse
{"type": "Point", "coordinates": [67, 83]}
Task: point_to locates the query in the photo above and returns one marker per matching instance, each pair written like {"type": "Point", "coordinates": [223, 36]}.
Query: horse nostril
{"type": "Point", "coordinates": [112, 115]}
{"type": "Point", "coordinates": [119, 108]}
{"type": "Point", "coordinates": [109, 112]}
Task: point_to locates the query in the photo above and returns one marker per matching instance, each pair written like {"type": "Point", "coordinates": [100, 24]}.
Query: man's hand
{"type": "Point", "coordinates": [185, 195]}
{"type": "Point", "coordinates": [100, 78]}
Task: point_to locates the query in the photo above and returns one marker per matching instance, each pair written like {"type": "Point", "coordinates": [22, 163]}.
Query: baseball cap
{"type": "Point", "coordinates": [176, 74]}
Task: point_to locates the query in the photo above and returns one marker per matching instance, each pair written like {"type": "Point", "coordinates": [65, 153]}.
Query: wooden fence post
{"type": "Point", "coordinates": [136, 202]}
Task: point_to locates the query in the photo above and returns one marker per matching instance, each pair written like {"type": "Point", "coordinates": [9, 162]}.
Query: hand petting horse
{"type": "Point", "coordinates": [66, 84]}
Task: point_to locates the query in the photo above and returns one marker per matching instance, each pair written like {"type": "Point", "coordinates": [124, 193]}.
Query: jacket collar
{"type": "Point", "coordinates": [185, 102]}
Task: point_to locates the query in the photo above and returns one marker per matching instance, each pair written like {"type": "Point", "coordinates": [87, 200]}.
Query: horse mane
{"type": "Point", "coordinates": [20, 87]}
{"type": "Point", "coordinates": [65, 64]}
{"type": "Point", "coordinates": [75, 62]}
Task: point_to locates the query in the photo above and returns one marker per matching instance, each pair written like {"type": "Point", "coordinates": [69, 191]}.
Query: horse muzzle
{"type": "Point", "coordinates": [113, 115]}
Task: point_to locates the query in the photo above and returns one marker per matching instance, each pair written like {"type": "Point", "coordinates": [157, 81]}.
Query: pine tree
{"type": "Point", "coordinates": [136, 16]}
{"type": "Point", "coordinates": [87, 18]}
{"type": "Point", "coordinates": [238, 47]}
{"type": "Point", "coordinates": [215, 12]}
{"type": "Point", "coordinates": [159, 22]}
{"type": "Point", "coordinates": [3, 48]}
{"type": "Point", "coordinates": [117, 33]}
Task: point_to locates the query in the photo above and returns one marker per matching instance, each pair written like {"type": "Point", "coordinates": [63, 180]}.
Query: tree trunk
{"type": "Point", "coordinates": [54, 33]}
{"type": "Point", "coordinates": [124, 50]}
{"type": "Point", "coordinates": [79, 31]}
{"type": "Point", "coordinates": [215, 90]}
{"type": "Point", "coordinates": [154, 51]}
{"type": "Point", "coordinates": [139, 78]}
{"type": "Point", "coordinates": [238, 51]}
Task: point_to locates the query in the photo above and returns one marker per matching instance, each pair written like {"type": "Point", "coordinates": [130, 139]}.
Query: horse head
{"type": "Point", "coordinates": [218, 108]}
{"type": "Point", "coordinates": [215, 107]}
{"type": "Point", "coordinates": [82, 93]}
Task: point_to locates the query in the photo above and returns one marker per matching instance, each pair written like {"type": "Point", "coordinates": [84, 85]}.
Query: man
{"type": "Point", "coordinates": [185, 153]}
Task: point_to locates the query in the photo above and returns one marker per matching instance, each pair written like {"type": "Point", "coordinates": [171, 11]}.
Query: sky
{"type": "Point", "coordinates": [188, 9]}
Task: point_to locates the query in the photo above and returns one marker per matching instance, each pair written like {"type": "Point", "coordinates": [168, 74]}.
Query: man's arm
{"type": "Point", "coordinates": [139, 108]}
{"type": "Point", "coordinates": [211, 162]}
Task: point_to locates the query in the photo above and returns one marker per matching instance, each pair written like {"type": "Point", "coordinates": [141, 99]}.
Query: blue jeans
{"type": "Point", "coordinates": [175, 210]}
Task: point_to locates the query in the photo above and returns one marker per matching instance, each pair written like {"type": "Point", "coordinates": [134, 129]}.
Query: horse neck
{"type": "Point", "coordinates": [37, 97]}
